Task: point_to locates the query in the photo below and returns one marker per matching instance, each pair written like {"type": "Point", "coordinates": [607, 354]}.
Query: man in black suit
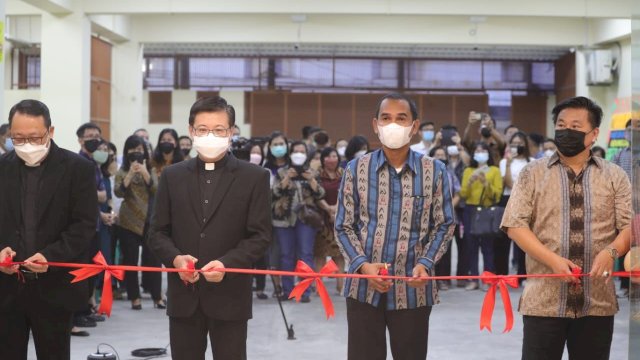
{"type": "Point", "coordinates": [48, 213]}
{"type": "Point", "coordinates": [214, 211]}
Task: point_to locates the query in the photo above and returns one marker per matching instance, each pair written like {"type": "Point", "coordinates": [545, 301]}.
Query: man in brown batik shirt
{"type": "Point", "coordinates": [568, 211]}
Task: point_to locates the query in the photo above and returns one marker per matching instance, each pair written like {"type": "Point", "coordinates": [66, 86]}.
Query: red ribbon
{"type": "Point", "coordinates": [490, 299]}
{"type": "Point", "coordinates": [329, 268]}
{"type": "Point", "coordinates": [8, 262]}
{"type": "Point", "coordinates": [107, 294]}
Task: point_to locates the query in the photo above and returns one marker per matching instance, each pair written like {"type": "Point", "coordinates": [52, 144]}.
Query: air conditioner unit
{"type": "Point", "coordinates": [600, 67]}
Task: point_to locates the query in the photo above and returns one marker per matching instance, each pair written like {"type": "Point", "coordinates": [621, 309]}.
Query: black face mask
{"type": "Point", "coordinates": [92, 145]}
{"type": "Point", "coordinates": [135, 156]}
{"type": "Point", "coordinates": [570, 142]}
{"type": "Point", "coordinates": [520, 150]}
{"type": "Point", "coordinates": [185, 152]}
{"type": "Point", "coordinates": [166, 147]}
{"type": "Point", "coordinates": [485, 132]}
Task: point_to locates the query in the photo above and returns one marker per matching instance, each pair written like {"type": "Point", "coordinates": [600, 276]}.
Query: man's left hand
{"type": "Point", "coordinates": [213, 276]}
{"type": "Point", "coordinates": [30, 263]}
{"type": "Point", "coordinates": [418, 271]}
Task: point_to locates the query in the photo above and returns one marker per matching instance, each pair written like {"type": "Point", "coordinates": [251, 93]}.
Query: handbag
{"type": "Point", "coordinates": [485, 220]}
{"type": "Point", "coordinates": [308, 214]}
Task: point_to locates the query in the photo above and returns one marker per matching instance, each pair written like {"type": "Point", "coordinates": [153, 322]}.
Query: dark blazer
{"type": "Point", "coordinates": [237, 232]}
{"type": "Point", "coordinates": [67, 214]}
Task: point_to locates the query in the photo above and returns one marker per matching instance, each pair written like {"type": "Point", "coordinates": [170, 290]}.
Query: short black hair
{"type": "Point", "coordinates": [426, 123]}
{"type": "Point", "coordinates": [86, 126]}
{"type": "Point", "coordinates": [326, 152]}
{"type": "Point", "coordinates": [536, 138]}
{"type": "Point", "coordinates": [33, 108]}
{"type": "Point", "coordinates": [511, 126]}
{"type": "Point", "coordinates": [580, 102]}
{"type": "Point", "coordinates": [397, 96]}
{"type": "Point", "coordinates": [212, 104]}
{"type": "Point", "coordinates": [354, 145]}
{"type": "Point", "coordinates": [449, 127]}
{"type": "Point", "coordinates": [433, 150]}
{"type": "Point", "coordinates": [4, 128]}
{"type": "Point", "coordinates": [321, 138]}
{"type": "Point", "coordinates": [185, 137]}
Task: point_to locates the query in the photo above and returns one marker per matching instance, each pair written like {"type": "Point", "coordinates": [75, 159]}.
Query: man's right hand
{"type": "Point", "coordinates": [378, 284]}
{"type": "Point", "coordinates": [560, 265]}
{"type": "Point", "coordinates": [182, 262]}
{"type": "Point", "coordinates": [4, 254]}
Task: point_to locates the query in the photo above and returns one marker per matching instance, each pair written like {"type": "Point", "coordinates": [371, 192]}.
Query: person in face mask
{"type": "Point", "coordinates": [481, 186]}
{"type": "Point", "coordinates": [443, 268]}
{"type": "Point", "coordinates": [277, 152]}
{"type": "Point", "coordinates": [326, 244]}
{"type": "Point", "coordinates": [548, 147]}
{"type": "Point", "coordinates": [517, 156]}
{"type": "Point", "coordinates": [211, 212]}
{"type": "Point", "coordinates": [427, 135]}
{"type": "Point", "coordinates": [295, 186]}
{"type": "Point", "coordinates": [185, 146]}
{"type": "Point", "coordinates": [376, 189]}
{"type": "Point", "coordinates": [167, 151]}
{"type": "Point", "coordinates": [6, 144]}
{"type": "Point", "coordinates": [48, 214]}
{"type": "Point", "coordinates": [90, 138]}
{"type": "Point", "coordinates": [570, 212]}
{"type": "Point", "coordinates": [341, 148]}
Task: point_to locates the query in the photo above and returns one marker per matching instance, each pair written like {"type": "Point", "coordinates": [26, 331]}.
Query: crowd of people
{"type": "Point", "coordinates": [328, 199]}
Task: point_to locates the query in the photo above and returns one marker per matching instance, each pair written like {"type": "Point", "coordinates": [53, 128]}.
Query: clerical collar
{"type": "Point", "coordinates": [212, 166]}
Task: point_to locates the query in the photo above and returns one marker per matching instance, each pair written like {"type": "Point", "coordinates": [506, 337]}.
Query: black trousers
{"type": "Point", "coordinates": [261, 280]}
{"type": "Point", "coordinates": [586, 338]}
{"type": "Point", "coordinates": [188, 337]}
{"type": "Point", "coordinates": [49, 324]}
{"type": "Point", "coordinates": [502, 246]}
{"type": "Point", "coordinates": [461, 266]}
{"type": "Point", "coordinates": [130, 243]}
{"type": "Point", "coordinates": [408, 331]}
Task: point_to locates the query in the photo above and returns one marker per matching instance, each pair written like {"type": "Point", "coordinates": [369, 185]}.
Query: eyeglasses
{"type": "Point", "coordinates": [31, 140]}
{"type": "Point", "coordinates": [217, 132]}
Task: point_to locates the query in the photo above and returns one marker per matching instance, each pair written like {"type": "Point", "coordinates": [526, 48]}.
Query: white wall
{"type": "Point", "coordinates": [606, 96]}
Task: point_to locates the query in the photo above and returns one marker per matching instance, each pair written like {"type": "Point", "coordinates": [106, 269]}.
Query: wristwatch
{"type": "Point", "coordinates": [613, 252]}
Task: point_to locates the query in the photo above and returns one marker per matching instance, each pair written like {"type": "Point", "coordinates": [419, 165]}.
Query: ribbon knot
{"type": "Point", "coordinates": [490, 299]}
{"type": "Point", "coordinates": [107, 294]}
{"type": "Point", "coordinates": [329, 268]}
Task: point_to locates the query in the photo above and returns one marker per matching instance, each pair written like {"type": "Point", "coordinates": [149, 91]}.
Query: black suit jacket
{"type": "Point", "coordinates": [67, 213]}
{"type": "Point", "coordinates": [237, 232]}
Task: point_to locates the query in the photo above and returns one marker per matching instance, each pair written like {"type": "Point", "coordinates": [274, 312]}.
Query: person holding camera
{"type": "Point", "coordinates": [136, 184]}
{"type": "Point", "coordinates": [485, 126]}
{"type": "Point", "coordinates": [296, 219]}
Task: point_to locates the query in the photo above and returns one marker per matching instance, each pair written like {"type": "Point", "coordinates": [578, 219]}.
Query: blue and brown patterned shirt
{"type": "Point", "coordinates": [401, 218]}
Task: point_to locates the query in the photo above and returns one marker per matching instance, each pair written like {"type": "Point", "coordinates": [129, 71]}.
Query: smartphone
{"type": "Point", "coordinates": [477, 116]}
{"type": "Point", "coordinates": [447, 135]}
{"type": "Point", "coordinates": [300, 170]}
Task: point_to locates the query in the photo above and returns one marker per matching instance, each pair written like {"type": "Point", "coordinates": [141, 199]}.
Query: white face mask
{"type": "Point", "coordinates": [210, 146]}
{"type": "Point", "coordinates": [452, 150]}
{"type": "Point", "coordinates": [360, 154]}
{"type": "Point", "coordinates": [341, 150]}
{"type": "Point", "coordinates": [394, 136]}
{"type": "Point", "coordinates": [255, 159]}
{"type": "Point", "coordinates": [548, 153]}
{"type": "Point", "coordinates": [298, 159]}
{"type": "Point", "coordinates": [32, 155]}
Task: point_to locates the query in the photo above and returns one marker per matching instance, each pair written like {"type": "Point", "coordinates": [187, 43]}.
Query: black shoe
{"type": "Point", "coordinates": [80, 333]}
{"type": "Point", "coordinates": [96, 317]}
{"type": "Point", "coordinates": [160, 305]}
{"type": "Point", "coordinates": [283, 297]}
{"type": "Point", "coordinates": [136, 304]}
{"type": "Point", "coordinates": [84, 321]}
{"type": "Point", "coordinates": [262, 296]}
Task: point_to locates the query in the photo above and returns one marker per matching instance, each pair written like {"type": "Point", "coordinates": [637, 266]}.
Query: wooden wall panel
{"type": "Point", "coordinates": [267, 113]}
{"type": "Point", "coordinates": [302, 110]}
{"type": "Point", "coordinates": [529, 113]}
{"type": "Point", "coordinates": [337, 115]}
{"type": "Point", "coordinates": [565, 77]}
{"type": "Point", "coordinates": [364, 112]}
{"type": "Point", "coordinates": [160, 107]}
{"type": "Point", "coordinates": [100, 103]}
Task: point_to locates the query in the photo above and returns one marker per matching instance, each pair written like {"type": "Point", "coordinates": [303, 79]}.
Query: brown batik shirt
{"type": "Point", "coordinates": [576, 216]}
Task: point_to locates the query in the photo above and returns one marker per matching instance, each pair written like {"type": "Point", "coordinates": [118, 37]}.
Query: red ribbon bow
{"type": "Point", "coordinates": [107, 295]}
{"type": "Point", "coordinates": [490, 299]}
{"type": "Point", "coordinates": [8, 262]}
{"type": "Point", "coordinates": [329, 268]}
